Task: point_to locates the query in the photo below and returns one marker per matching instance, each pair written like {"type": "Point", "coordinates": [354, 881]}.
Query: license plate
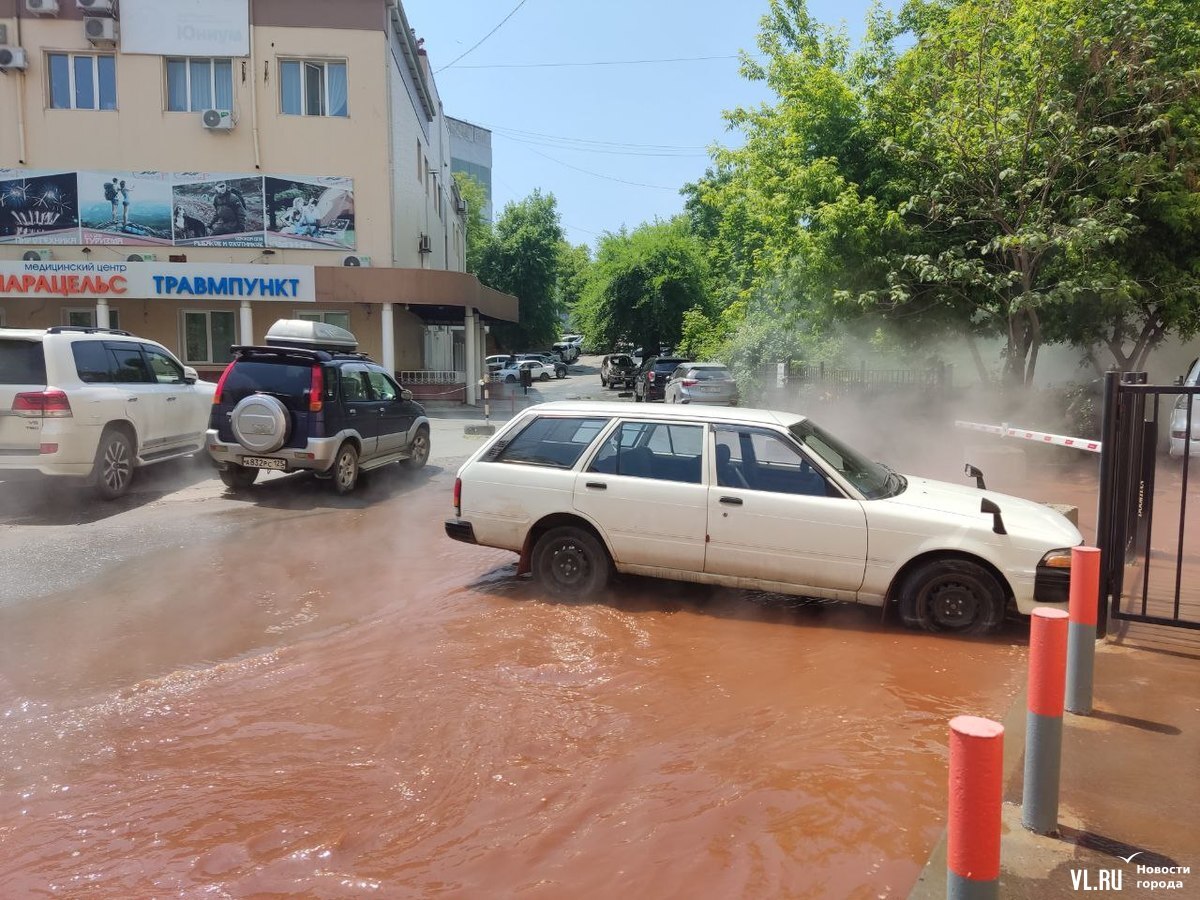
{"type": "Point", "coordinates": [709, 390]}
{"type": "Point", "coordinates": [264, 462]}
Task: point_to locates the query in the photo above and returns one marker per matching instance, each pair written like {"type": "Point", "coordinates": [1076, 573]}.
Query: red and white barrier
{"type": "Point", "coordinates": [1058, 440]}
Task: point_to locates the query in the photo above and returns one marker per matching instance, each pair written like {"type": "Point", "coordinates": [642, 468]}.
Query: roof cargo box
{"type": "Point", "coordinates": [311, 336]}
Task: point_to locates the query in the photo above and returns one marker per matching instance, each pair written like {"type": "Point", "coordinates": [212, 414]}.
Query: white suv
{"type": "Point", "coordinates": [95, 404]}
{"type": "Point", "coordinates": [751, 498]}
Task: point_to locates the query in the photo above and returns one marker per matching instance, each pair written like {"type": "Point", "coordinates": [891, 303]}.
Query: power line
{"type": "Point", "coordinates": [656, 154]}
{"type": "Point", "coordinates": [508, 132]}
{"type": "Point", "coordinates": [604, 62]}
{"type": "Point", "coordinates": [657, 187]}
{"type": "Point", "coordinates": [484, 38]}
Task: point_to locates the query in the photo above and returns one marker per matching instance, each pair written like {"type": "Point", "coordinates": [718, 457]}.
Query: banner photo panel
{"type": "Point", "coordinates": [38, 207]}
{"type": "Point", "coordinates": [186, 27]}
{"type": "Point", "coordinates": [125, 208]}
{"type": "Point", "coordinates": [310, 213]}
{"type": "Point", "coordinates": [218, 211]}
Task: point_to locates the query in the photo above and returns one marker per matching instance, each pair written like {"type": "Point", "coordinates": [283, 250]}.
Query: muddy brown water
{"type": "Point", "coordinates": [349, 704]}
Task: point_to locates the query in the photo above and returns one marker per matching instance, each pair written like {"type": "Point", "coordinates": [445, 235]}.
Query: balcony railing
{"type": "Point", "coordinates": [432, 376]}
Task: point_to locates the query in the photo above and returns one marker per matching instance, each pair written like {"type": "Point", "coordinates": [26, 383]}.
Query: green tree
{"type": "Point", "coordinates": [523, 259]}
{"type": "Point", "coordinates": [641, 284]}
{"type": "Point", "coordinates": [574, 267]}
{"type": "Point", "coordinates": [479, 233]}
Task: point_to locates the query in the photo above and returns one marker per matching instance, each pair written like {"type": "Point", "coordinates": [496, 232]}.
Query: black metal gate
{"type": "Point", "coordinates": [1138, 470]}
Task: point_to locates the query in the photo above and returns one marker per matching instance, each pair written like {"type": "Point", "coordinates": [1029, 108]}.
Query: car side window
{"type": "Point", "coordinates": [760, 461]}
{"type": "Point", "coordinates": [382, 387]}
{"type": "Point", "coordinates": [652, 450]}
{"type": "Point", "coordinates": [92, 362]}
{"type": "Point", "coordinates": [165, 369]}
{"type": "Point", "coordinates": [354, 385]}
{"type": "Point", "coordinates": [548, 441]}
{"type": "Point", "coordinates": [127, 364]}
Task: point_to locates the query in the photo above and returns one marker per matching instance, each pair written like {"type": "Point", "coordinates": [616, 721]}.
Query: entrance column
{"type": "Point", "coordinates": [102, 319]}
{"type": "Point", "coordinates": [245, 324]}
{"type": "Point", "coordinates": [472, 391]}
{"type": "Point", "coordinates": [387, 323]}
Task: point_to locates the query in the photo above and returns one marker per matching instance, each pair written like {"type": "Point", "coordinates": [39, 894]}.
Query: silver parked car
{"type": "Point", "coordinates": [695, 382]}
{"type": "Point", "coordinates": [1180, 439]}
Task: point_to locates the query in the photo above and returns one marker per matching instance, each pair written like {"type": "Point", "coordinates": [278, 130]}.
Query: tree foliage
{"type": "Point", "coordinates": [641, 284]}
{"type": "Point", "coordinates": [522, 258]}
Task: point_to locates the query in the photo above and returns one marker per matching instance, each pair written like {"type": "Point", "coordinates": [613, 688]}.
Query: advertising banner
{"type": "Point", "coordinates": [180, 209]}
{"type": "Point", "coordinates": [186, 27]}
{"type": "Point", "coordinates": [90, 280]}
{"type": "Point", "coordinates": [38, 208]}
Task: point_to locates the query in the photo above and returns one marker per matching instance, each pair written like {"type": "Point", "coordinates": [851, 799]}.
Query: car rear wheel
{"type": "Point", "coordinates": [510, 379]}
{"type": "Point", "coordinates": [345, 469]}
{"type": "Point", "coordinates": [953, 595]}
{"type": "Point", "coordinates": [571, 563]}
{"type": "Point", "coordinates": [419, 451]}
{"type": "Point", "coordinates": [238, 478]}
{"type": "Point", "coordinates": [113, 469]}
{"type": "Point", "coordinates": [545, 376]}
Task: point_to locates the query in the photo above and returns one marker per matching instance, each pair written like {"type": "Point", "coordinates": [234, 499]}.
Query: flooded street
{"type": "Point", "coordinates": [346, 703]}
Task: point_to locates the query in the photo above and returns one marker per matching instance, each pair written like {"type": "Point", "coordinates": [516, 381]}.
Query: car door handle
{"type": "Point", "coordinates": [131, 399]}
{"type": "Point", "coordinates": [598, 485]}
{"type": "Point", "coordinates": [732, 501]}
{"type": "Point", "coordinates": [352, 411]}
{"type": "Point", "coordinates": [172, 399]}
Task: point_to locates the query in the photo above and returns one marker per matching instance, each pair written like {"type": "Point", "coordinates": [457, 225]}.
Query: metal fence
{"type": "Point", "coordinates": [1142, 478]}
{"type": "Point", "coordinates": [432, 376]}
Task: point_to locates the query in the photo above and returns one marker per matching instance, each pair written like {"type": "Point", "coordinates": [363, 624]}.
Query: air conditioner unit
{"type": "Point", "coordinates": [355, 261]}
{"type": "Point", "coordinates": [141, 257]}
{"type": "Point", "coordinates": [461, 206]}
{"type": "Point", "coordinates": [218, 120]}
{"type": "Point", "coordinates": [101, 32]}
{"type": "Point", "coordinates": [425, 245]}
{"type": "Point", "coordinates": [96, 7]}
{"type": "Point", "coordinates": [37, 255]}
{"type": "Point", "coordinates": [13, 59]}
{"type": "Point", "coordinates": [42, 7]}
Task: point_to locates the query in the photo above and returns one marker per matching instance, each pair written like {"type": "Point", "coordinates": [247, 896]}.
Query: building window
{"type": "Point", "coordinates": [85, 317]}
{"type": "Point", "coordinates": [207, 336]}
{"type": "Point", "coordinates": [419, 155]}
{"type": "Point", "coordinates": [82, 81]}
{"type": "Point", "coordinates": [194, 85]}
{"type": "Point", "coordinates": [340, 319]}
{"type": "Point", "coordinates": [311, 88]}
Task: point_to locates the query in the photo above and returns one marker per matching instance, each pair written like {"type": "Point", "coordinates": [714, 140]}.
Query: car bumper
{"type": "Point", "coordinates": [317, 455]}
{"type": "Point", "coordinates": [1051, 585]}
{"type": "Point", "coordinates": [460, 531]}
{"type": "Point", "coordinates": [72, 451]}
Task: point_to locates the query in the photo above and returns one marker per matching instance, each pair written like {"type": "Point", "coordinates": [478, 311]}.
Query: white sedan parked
{"type": "Point", "coordinates": [752, 499]}
{"type": "Point", "coordinates": [538, 371]}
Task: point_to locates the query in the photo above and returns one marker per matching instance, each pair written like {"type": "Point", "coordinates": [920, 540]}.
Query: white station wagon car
{"type": "Point", "coordinates": [754, 499]}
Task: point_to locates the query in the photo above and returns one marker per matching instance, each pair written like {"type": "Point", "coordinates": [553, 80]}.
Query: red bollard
{"type": "Point", "coordinates": [1081, 637]}
{"type": "Point", "coordinates": [1043, 728]}
{"type": "Point", "coordinates": [973, 826]}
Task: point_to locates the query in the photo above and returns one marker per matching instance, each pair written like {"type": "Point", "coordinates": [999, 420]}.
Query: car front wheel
{"type": "Point", "coordinates": [545, 376]}
{"type": "Point", "coordinates": [571, 563]}
{"type": "Point", "coordinates": [419, 451]}
{"type": "Point", "coordinates": [345, 469]}
{"type": "Point", "coordinates": [510, 379]}
{"type": "Point", "coordinates": [113, 469]}
{"type": "Point", "coordinates": [954, 596]}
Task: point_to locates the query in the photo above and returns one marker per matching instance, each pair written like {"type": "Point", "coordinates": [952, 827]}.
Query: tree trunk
{"type": "Point", "coordinates": [984, 376]}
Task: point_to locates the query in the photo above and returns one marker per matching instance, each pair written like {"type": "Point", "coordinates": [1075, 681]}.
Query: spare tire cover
{"type": "Point", "coordinates": [260, 423]}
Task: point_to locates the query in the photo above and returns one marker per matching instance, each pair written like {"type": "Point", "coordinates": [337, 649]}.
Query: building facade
{"type": "Point", "coordinates": [192, 172]}
{"type": "Point", "coordinates": [471, 154]}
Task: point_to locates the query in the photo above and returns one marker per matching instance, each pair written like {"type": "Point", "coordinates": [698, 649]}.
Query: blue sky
{"type": "Point", "coordinates": [613, 143]}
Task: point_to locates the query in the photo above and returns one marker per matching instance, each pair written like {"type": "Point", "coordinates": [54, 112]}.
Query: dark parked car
{"type": "Point", "coordinates": [652, 377]}
{"type": "Point", "coordinates": [306, 400]}
{"type": "Point", "coordinates": [618, 370]}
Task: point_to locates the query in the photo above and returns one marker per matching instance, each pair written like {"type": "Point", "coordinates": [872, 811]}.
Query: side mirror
{"type": "Point", "coordinates": [190, 376]}
{"type": "Point", "coordinates": [406, 394]}
{"type": "Point", "coordinates": [973, 472]}
{"type": "Point", "coordinates": [988, 506]}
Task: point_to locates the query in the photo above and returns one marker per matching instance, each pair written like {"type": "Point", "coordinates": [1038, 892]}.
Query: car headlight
{"type": "Point", "coordinates": [1057, 559]}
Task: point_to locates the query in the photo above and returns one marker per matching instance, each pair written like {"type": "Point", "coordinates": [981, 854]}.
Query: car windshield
{"type": "Point", "coordinates": [873, 480]}
{"type": "Point", "coordinates": [620, 361]}
{"type": "Point", "coordinates": [710, 374]}
{"type": "Point", "coordinates": [290, 382]}
{"type": "Point", "coordinates": [22, 362]}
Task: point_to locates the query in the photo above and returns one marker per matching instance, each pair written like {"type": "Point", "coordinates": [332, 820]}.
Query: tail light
{"type": "Point", "coordinates": [458, 496]}
{"type": "Point", "coordinates": [650, 376]}
{"type": "Point", "coordinates": [316, 390]}
{"type": "Point", "coordinates": [689, 382]}
{"type": "Point", "coordinates": [221, 383]}
{"type": "Point", "coordinates": [42, 405]}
